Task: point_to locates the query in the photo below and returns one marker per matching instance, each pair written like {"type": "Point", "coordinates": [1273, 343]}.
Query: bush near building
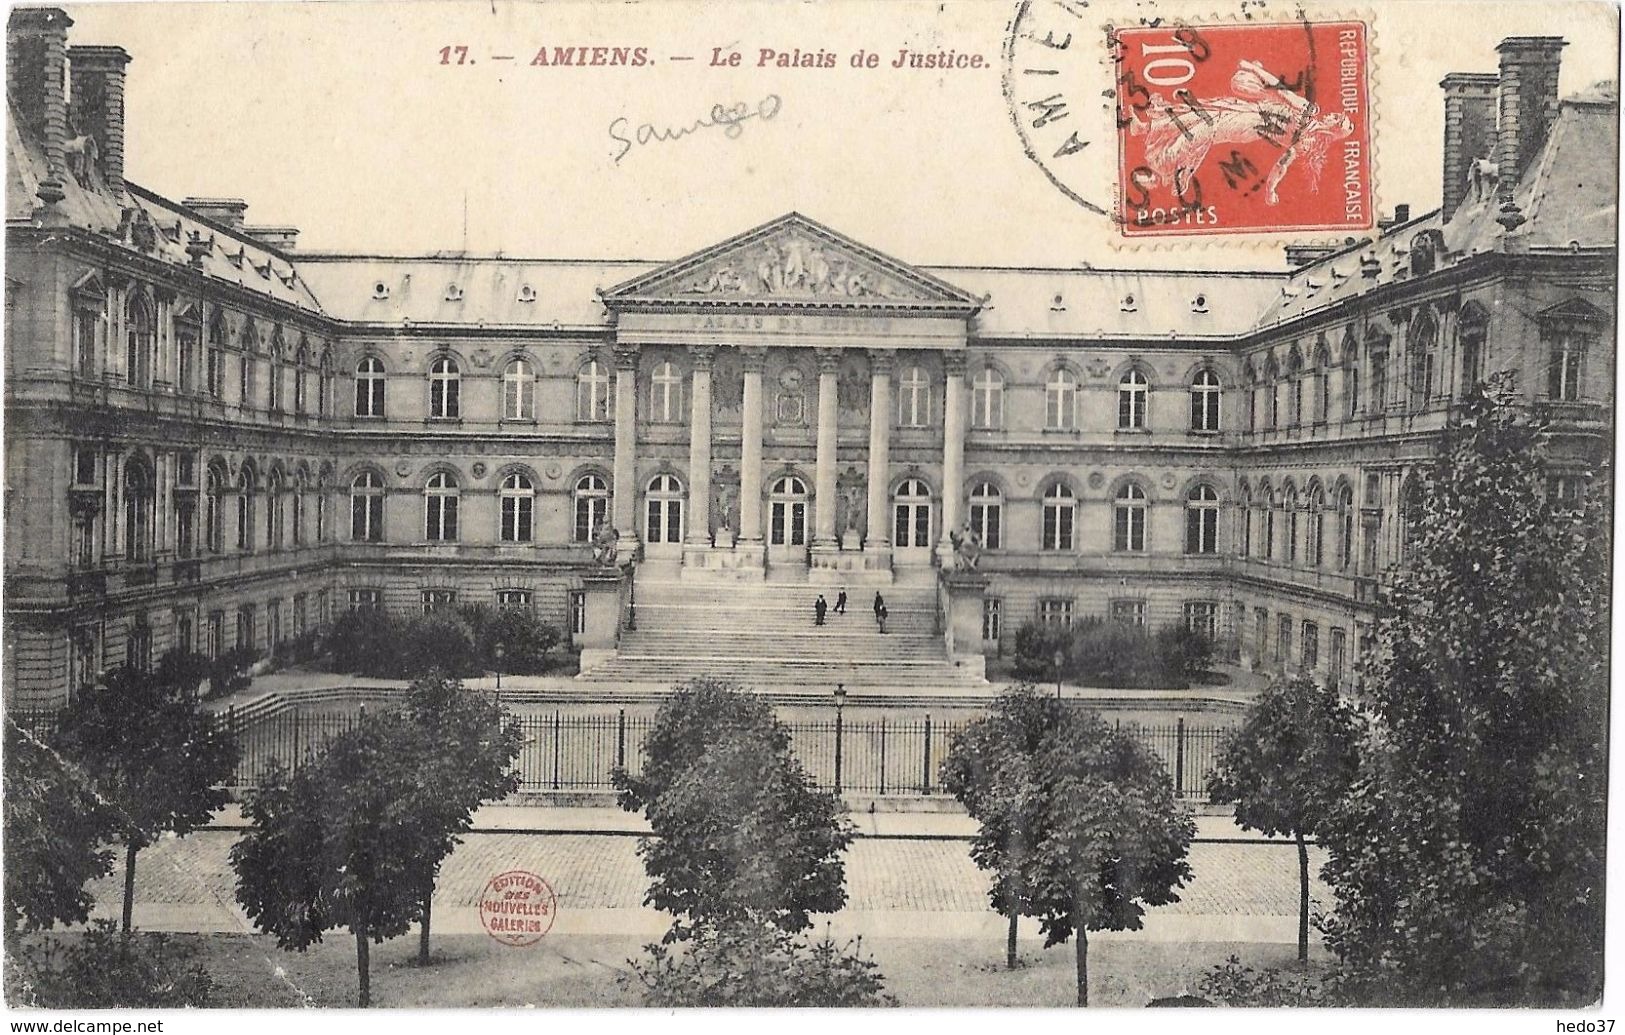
{"type": "Point", "coordinates": [103, 969]}
{"type": "Point", "coordinates": [747, 963]}
{"type": "Point", "coordinates": [1097, 652]}
{"type": "Point", "coordinates": [460, 643]}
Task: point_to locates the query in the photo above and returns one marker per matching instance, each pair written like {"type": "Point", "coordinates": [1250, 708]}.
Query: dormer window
{"type": "Point", "coordinates": [454, 293]}
{"type": "Point", "coordinates": [1199, 304]}
{"type": "Point", "coordinates": [1058, 304]}
{"type": "Point", "coordinates": [527, 293]}
{"type": "Point", "coordinates": [1128, 304]}
{"type": "Point", "coordinates": [380, 291]}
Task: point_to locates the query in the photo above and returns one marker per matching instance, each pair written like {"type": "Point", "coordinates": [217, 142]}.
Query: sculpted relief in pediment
{"type": "Point", "coordinates": [791, 265]}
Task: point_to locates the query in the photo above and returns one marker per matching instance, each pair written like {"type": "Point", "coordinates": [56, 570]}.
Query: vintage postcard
{"type": "Point", "coordinates": [1023, 503]}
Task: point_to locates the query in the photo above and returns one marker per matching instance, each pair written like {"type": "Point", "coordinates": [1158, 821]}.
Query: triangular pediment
{"type": "Point", "coordinates": [796, 261]}
{"type": "Point", "coordinates": [1574, 309]}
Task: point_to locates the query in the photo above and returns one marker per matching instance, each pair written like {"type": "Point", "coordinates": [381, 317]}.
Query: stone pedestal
{"type": "Point", "coordinates": [960, 594]}
{"type": "Point", "coordinates": [603, 593]}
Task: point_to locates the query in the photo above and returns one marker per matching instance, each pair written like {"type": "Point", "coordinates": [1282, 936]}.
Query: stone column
{"type": "Point", "coordinates": [829, 362]}
{"type": "Point", "coordinates": [699, 450]}
{"type": "Point", "coordinates": [953, 448]}
{"type": "Point", "coordinates": [750, 450]}
{"type": "Point", "coordinates": [878, 540]}
{"type": "Point", "coordinates": [624, 516]}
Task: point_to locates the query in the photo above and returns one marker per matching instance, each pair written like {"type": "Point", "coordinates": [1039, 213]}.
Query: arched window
{"type": "Point", "coordinates": [273, 510]}
{"type": "Point", "coordinates": [1424, 360]}
{"type": "Point", "coordinates": [1345, 528]}
{"type": "Point", "coordinates": [1314, 543]}
{"type": "Point", "coordinates": [324, 384]}
{"type": "Point", "coordinates": [1131, 400]}
{"type": "Point", "coordinates": [1351, 380]}
{"type": "Point", "coordinates": [518, 508]}
{"type": "Point", "coordinates": [666, 393]}
{"type": "Point", "coordinates": [664, 522]}
{"type": "Point", "coordinates": [297, 520]}
{"type": "Point", "coordinates": [369, 387]}
{"type": "Point", "coordinates": [215, 357]}
{"type": "Point", "coordinates": [1472, 332]}
{"type": "Point", "coordinates": [1202, 520]}
{"type": "Point", "coordinates": [914, 399]}
{"type": "Point", "coordinates": [787, 512]}
{"type": "Point", "coordinates": [138, 342]}
{"type": "Point", "coordinates": [1244, 529]}
{"type": "Point", "coordinates": [245, 510]}
{"type": "Point", "coordinates": [987, 399]}
{"type": "Point", "coordinates": [1060, 510]}
{"type": "Point", "coordinates": [1294, 376]}
{"type": "Point", "coordinates": [519, 391]}
{"type": "Point", "coordinates": [987, 514]}
{"type": "Point", "coordinates": [911, 515]}
{"type": "Point", "coordinates": [1267, 515]}
{"type": "Point", "coordinates": [1272, 385]}
{"type": "Point", "coordinates": [186, 339]}
{"type": "Point", "coordinates": [321, 509]}
{"type": "Point", "coordinates": [214, 487]}
{"type": "Point", "coordinates": [301, 360]}
{"type": "Point", "coordinates": [440, 497]}
{"type": "Point", "coordinates": [1205, 395]}
{"type": "Point", "coordinates": [278, 372]}
{"type": "Point", "coordinates": [367, 508]}
{"type": "Point", "coordinates": [1061, 400]}
{"type": "Point", "coordinates": [246, 369]}
{"type": "Point", "coordinates": [591, 507]}
{"type": "Point", "coordinates": [139, 494]}
{"type": "Point", "coordinates": [592, 392]}
{"type": "Point", "coordinates": [1128, 519]}
{"type": "Point", "coordinates": [1289, 503]}
{"type": "Point", "coordinates": [1376, 350]}
{"type": "Point", "coordinates": [445, 382]}
{"type": "Point", "coordinates": [1322, 382]}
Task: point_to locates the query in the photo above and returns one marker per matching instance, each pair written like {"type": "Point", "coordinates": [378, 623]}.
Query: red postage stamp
{"type": "Point", "coordinates": [1245, 128]}
{"type": "Point", "coordinates": [517, 908]}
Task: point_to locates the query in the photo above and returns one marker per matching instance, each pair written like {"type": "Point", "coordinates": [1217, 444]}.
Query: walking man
{"type": "Point", "coordinates": [819, 607]}
{"type": "Point", "coordinates": [880, 611]}
{"type": "Point", "coordinates": [840, 602]}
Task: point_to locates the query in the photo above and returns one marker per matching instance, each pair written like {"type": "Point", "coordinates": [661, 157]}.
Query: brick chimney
{"type": "Point", "coordinates": [98, 106]}
{"type": "Point", "coordinates": [1469, 130]}
{"type": "Point", "coordinates": [36, 48]}
{"type": "Point", "coordinates": [225, 211]}
{"type": "Point", "coordinates": [282, 238]}
{"type": "Point", "coordinates": [1528, 97]}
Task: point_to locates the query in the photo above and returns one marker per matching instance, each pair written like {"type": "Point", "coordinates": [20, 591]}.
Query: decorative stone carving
{"type": "Point", "coordinates": [792, 264]}
{"type": "Point", "coordinates": [1098, 368]}
{"type": "Point", "coordinates": [790, 397]}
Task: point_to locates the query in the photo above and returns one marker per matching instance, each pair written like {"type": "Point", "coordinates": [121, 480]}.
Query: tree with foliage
{"type": "Point", "coordinates": [1112, 837]}
{"type": "Point", "coordinates": [154, 757]}
{"type": "Point", "coordinates": [990, 770]}
{"type": "Point", "coordinates": [1287, 766]}
{"type": "Point", "coordinates": [1467, 858]}
{"type": "Point", "coordinates": [469, 749]}
{"type": "Point", "coordinates": [745, 963]}
{"type": "Point", "coordinates": [56, 834]}
{"type": "Point", "coordinates": [339, 843]}
{"type": "Point", "coordinates": [740, 832]}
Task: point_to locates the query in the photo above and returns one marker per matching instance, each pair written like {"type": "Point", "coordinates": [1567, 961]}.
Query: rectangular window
{"type": "Point", "coordinates": [438, 600]}
{"type": "Point", "coordinates": [84, 467]}
{"type": "Point", "coordinates": [1379, 382]}
{"type": "Point", "coordinates": [1337, 658]}
{"type": "Point", "coordinates": [300, 603]}
{"type": "Point", "coordinates": [185, 641]}
{"type": "Point", "coordinates": [245, 382]}
{"type": "Point", "coordinates": [578, 612]}
{"type": "Point", "coordinates": [322, 613]}
{"type": "Point", "coordinates": [1283, 640]}
{"type": "Point", "coordinates": [216, 643]}
{"type": "Point", "coordinates": [185, 533]}
{"type": "Point", "coordinates": [1128, 612]}
{"type": "Point", "coordinates": [1309, 646]}
{"type": "Point", "coordinates": [1202, 616]}
{"type": "Point", "coordinates": [273, 623]}
{"type": "Point", "coordinates": [85, 323]}
{"type": "Point", "coordinates": [215, 373]}
{"type": "Point", "coordinates": [514, 599]}
{"type": "Point", "coordinates": [366, 600]}
{"type": "Point", "coordinates": [1055, 611]}
{"type": "Point", "coordinates": [1351, 390]}
{"type": "Point", "coordinates": [245, 626]}
{"type": "Point", "coordinates": [1057, 526]}
{"type": "Point", "coordinates": [991, 608]}
{"type": "Point", "coordinates": [1261, 635]}
{"type": "Point", "coordinates": [83, 657]}
{"type": "Point", "coordinates": [185, 361]}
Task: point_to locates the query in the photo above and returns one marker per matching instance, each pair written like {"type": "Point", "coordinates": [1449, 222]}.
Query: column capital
{"type": "Point", "coordinates": [702, 356]}
{"type": "Point", "coordinates": [626, 356]}
{"type": "Point", "coordinates": [953, 364]}
{"type": "Point", "coordinates": [829, 360]}
{"type": "Point", "coordinates": [753, 358]}
{"type": "Point", "coordinates": [883, 361]}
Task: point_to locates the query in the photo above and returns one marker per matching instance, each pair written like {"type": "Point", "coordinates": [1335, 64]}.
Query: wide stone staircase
{"type": "Point", "coordinates": [761, 634]}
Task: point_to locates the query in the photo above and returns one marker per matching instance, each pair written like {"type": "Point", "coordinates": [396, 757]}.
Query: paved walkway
{"type": "Point", "coordinates": [908, 876]}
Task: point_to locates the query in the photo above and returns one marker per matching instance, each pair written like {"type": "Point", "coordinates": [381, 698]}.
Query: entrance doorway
{"type": "Point", "coordinates": [787, 520]}
{"type": "Point", "coordinates": [663, 517]}
{"type": "Point", "coordinates": [911, 523]}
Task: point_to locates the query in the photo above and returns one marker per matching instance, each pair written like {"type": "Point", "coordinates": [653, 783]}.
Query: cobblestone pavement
{"type": "Point", "coordinates": [187, 884]}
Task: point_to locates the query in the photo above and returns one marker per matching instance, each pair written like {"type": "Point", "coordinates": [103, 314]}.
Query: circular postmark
{"type": "Point", "coordinates": [517, 908]}
{"type": "Point", "coordinates": [1053, 83]}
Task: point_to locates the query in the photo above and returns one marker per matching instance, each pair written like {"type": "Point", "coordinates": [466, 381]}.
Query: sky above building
{"type": "Point", "coordinates": [366, 126]}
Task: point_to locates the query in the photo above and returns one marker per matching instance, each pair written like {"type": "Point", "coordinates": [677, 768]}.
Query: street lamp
{"type": "Point", "coordinates": [1059, 659]}
{"type": "Point", "coordinates": [501, 650]}
{"type": "Point", "coordinates": [840, 705]}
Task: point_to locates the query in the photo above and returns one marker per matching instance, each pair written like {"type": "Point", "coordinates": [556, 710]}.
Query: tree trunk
{"type": "Point", "coordinates": [423, 931]}
{"type": "Point", "coordinates": [1083, 965]}
{"type": "Point", "coordinates": [1303, 898]}
{"type": "Point", "coordinates": [364, 998]}
{"type": "Point", "coordinates": [1010, 941]}
{"type": "Point", "coordinates": [129, 884]}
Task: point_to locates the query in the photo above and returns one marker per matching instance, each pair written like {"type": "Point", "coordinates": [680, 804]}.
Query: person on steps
{"type": "Point", "coordinates": [880, 611]}
{"type": "Point", "coordinates": [819, 607]}
{"type": "Point", "coordinates": [840, 602]}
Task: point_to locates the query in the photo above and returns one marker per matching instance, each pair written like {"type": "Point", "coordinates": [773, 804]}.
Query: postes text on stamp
{"type": "Point", "coordinates": [1244, 128]}
{"type": "Point", "coordinates": [517, 908]}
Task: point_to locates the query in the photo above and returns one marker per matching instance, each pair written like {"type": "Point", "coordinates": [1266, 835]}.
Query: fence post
{"type": "Point", "coordinates": [294, 761]}
{"type": "Point", "coordinates": [620, 739]}
{"type": "Point", "coordinates": [1179, 756]}
{"type": "Point", "coordinates": [557, 730]}
{"type": "Point", "coordinates": [838, 750]}
{"type": "Point", "coordinates": [882, 756]}
{"type": "Point", "coordinates": [925, 763]}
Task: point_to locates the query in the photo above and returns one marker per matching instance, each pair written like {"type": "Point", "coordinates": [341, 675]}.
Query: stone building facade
{"type": "Point", "coordinates": [216, 439]}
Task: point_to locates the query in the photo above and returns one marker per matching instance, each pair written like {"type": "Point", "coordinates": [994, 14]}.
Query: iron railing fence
{"type": "Point", "coordinates": [569, 751]}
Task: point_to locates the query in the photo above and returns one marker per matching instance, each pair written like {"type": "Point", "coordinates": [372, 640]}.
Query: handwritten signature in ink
{"type": "Point", "coordinates": [730, 118]}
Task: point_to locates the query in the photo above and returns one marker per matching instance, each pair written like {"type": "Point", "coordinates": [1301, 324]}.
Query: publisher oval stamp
{"type": "Point", "coordinates": [517, 908]}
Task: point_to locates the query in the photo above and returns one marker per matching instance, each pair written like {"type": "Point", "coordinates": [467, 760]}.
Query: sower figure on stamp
{"type": "Point", "coordinates": [819, 607]}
